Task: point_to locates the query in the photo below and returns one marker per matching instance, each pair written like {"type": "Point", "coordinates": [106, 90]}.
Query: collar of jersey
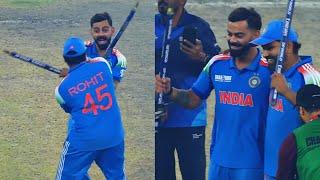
{"type": "Point", "coordinates": [252, 67]}
{"type": "Point", "coordinates": [184, 19]}
{"type": "Point", "coordinates": [94, 50]}
{"type": "Point", "coordinates": [303, 60]}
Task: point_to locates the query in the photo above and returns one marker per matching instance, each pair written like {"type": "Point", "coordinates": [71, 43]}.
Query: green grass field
{"type": "Point", "coordinates": [33, 126]}
{"type": "Point", "coordinates": [25, 3]}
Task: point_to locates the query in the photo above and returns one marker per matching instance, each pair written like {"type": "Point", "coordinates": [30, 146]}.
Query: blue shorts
{"type": "Point", "coordinates": [74, 164]}
{"type": "Point", "coordinates": [217, 172]}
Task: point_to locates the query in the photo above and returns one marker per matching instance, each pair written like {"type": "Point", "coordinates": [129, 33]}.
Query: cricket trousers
{"type": "Point", "coordinates": [189, 143]}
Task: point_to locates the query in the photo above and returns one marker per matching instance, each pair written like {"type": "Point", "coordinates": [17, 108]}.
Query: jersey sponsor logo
{"type": "Point", "coordinates": [222, 78]}
{"type": "Point", "coordinates": [312, 141]}
{"type": "Point", "coordinates": [196, 136]}
{"type": "Point", "coordinates": [254, 81]}
{"type": "Point", "coordinates": [83, 86]}
{"type": "Point", "coordinates": [236, 98]}
{"type": "Point", "coordinates": [278, 106]}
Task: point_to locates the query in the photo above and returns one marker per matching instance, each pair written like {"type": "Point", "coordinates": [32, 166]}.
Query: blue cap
{"type": "Point", "coordinates": [73, 47]}
{"type": "Point", "coordinates": [273, 32]}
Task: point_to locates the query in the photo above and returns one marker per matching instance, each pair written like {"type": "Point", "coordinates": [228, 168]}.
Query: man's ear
{"type": "Point", "coordinates": [256, 33]}
{"type": "Point", "coordinates": [112, 30]}
{"type": "Point", "coordinates": [91, 32]}
{"type": "Point", "coordinates": [303, 114]}
{"type": "Point", "coordinates": [289, 49]}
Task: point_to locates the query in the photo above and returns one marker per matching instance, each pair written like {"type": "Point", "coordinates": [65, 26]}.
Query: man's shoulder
{"type": "Point", "coordinates": [197, 20]}
{"type": "Point", "coordinates": [117, 52]}
{"type": "Point", "coordinates": [310, 73]}
{"type": "Point", "coordinates": [221, 57]}
{"type": "Point", "coordinates": [64, 83]}
{"type": "Point", "coordinates": [218, 59]}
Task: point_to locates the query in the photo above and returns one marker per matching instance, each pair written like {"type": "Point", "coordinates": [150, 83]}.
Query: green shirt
{"type": "Point", "coordinates": [308, 150]}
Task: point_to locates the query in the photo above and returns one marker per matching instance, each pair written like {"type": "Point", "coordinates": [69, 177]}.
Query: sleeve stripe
{"type": "Point", "coordinates": [59, 98]}
{"type": "Point", "coordinates": [310, 74]}
{"type": "Point", "coordinates": [122, 61]}
{"type": "Point", "coordinates": [264, 62]}
{"type": "Point", "coordinates": [315, 74]}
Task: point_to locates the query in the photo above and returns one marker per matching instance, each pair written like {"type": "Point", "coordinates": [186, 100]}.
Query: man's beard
{"type": "Point", "coordinates": [102, 38]}
{"type": "Point", "coordinates": [271, 63]}
{"type": "Point", "coordinates": [163, 7]}
{"type": "Point", "coordinates": [239, 53]}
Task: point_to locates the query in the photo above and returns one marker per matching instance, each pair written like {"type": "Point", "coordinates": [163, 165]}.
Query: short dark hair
{"type": "Point", "coordinates": [249, 14]}
{"type": "Point", "coordinates": [296, 47]}
{"type": "Point", "coordinates": [75, 60]}
{"type": "Point", "coordinates": [101, 17]}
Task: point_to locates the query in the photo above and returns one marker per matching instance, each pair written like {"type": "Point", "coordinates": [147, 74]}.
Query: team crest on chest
{"type": "Point", "coordinates": [254, 81]}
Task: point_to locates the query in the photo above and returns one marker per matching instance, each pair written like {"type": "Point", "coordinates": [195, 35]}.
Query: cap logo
{"type": "Point", "coordinates": [264, 30]}
{"type": "Point", "coordinates": [71, 47]}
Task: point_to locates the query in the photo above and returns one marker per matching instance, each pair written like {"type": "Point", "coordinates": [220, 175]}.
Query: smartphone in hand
{"type": "Point", "coordinates": [190, 34]}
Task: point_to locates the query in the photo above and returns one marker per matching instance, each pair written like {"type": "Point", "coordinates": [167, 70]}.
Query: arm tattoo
{"type": "Point", "coordinates": [183, 98]}
{"type": "Point", "coordinates": [186, 98]}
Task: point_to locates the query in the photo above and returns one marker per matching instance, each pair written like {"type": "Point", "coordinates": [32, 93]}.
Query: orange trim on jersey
{"type": "Point", "coordinates": [97, 59]}
{"type": "Point", "coordinates": [116, 52]}
{"type": "Point", "coordinates": [221, 57]}
{"type": "Point", "coordinates": [264, 62]}
{"type": "Point", "coordinates": [302, 70]}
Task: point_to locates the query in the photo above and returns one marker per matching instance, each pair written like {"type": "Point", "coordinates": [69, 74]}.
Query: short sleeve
{"type": "Point", "coordinates": [61, 101]}
{"type": "Point", "coordinates": [203, 86]}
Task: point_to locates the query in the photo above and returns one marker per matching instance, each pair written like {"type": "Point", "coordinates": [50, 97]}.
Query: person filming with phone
{"type": "Point", "coordinates": [191, 45]}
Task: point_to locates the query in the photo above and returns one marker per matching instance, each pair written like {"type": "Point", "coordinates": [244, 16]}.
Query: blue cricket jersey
{"type": "Point", "coordinates": [88, 94]}
{"type": "Point", "coordinates": [182, 70]}
{"type": "Point", "coordinates": [283, 118]}
{"type": "Point", "coordinates": [117, 60]}
{"type": "Point", "coordinates": [240, 110]}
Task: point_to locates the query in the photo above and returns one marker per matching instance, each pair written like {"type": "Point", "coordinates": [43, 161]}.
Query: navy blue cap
{"type": "Point", "coordinates": [73, 47]}
{"type": "Point", "coordinates": [273, 32]}
{"type": "Point", "coordinates": [309, 97]}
